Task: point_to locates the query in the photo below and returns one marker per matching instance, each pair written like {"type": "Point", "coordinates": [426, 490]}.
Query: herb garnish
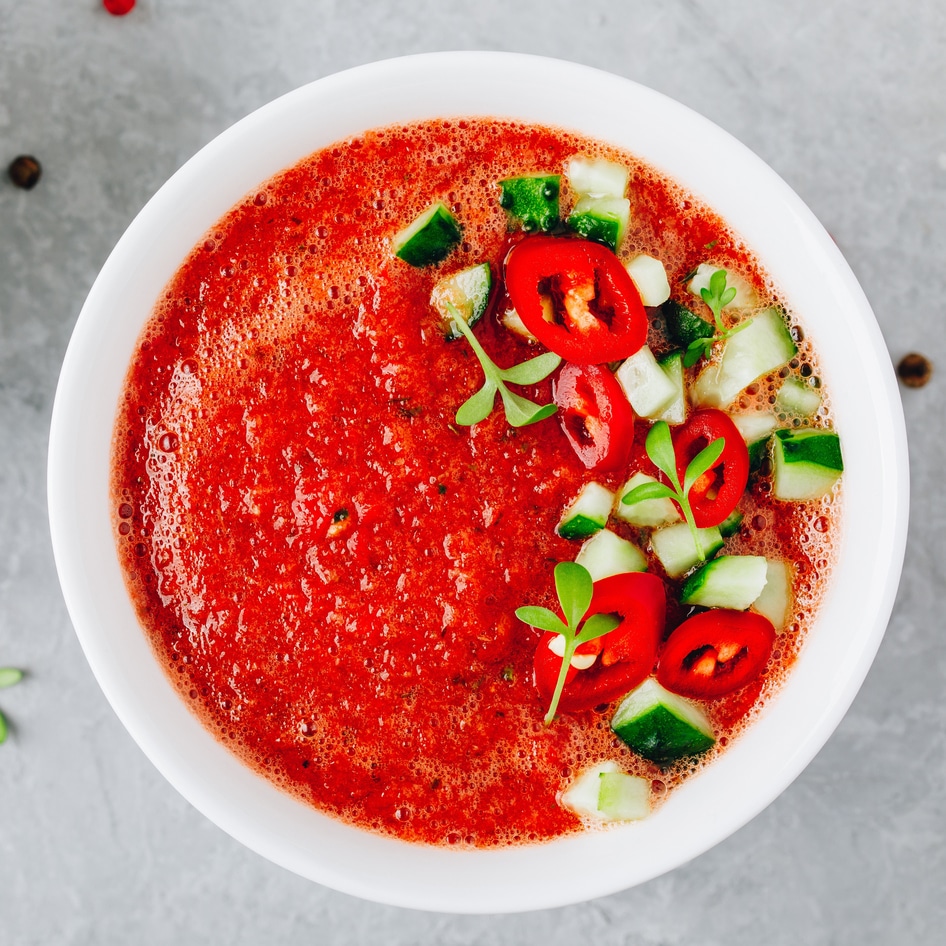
{"type": "Point", "coordinates": [8, 677]}
{"type": "Point", "coordinates": [659, 446]}
{"type": "Point", "coordinates": [573, 585]}
{"type": "Point", "coordinates": [519, 410]}
{"type": "Point", "coordinates": [717, 296]}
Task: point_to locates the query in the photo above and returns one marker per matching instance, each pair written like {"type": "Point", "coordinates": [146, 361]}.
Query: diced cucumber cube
{"type": "Point", "coordinates": [649, 276]}
{"type": "Point", "coordinates": [746, 297]}
{"type": "Point", "coordinates": [756, 428]}
{"type": "Point", "coordinates": [606, 554]}
{"type": "Point", "coordinates": [807, 463]}
{"type": "Point", "coordinates": [587, 513]}
{"type": "Point", "coordinates": [604, 792]}
{"type": "Point", "coordinates": [512, 322]}
{"type": "Point", "coordinates": [796, 397]}
{"type": "Point", "coordinates": [731, 524]}
{"type": "Point", "coordinates": [648, 513]}
{"type": "Point", "coordinates": [429, 238]}
{"type": "Point", "coordinates": [597, 177]}
{"type": "Point", "coordinates": [776, 600]}
{"type": "Point", "coordinates": [602, 219]}
{"type": "Point", "coordinates": [468, 292]}
{"type": "Point", "coordinates": [581, 796]}
{"type": "Point", "coordinates": [763, 345]}
{"type": "Point", "coordinates": [676, 550]}
{"type": "Point", "coordinates": [731, 581]}
{"type": "Point", "coordinates": [684, 326]}
{"type": "Point", "coordinates": [661, 726]}
{"type": "Point", "coordinates": [672, 365]}
{"type": "Point", "coordinates": [647, 386]}
{"type": "Point", "coordinates": [532, 200]}
{"type": "Point", "coordinates": [623, 797]}
{"type": "Point", "coordinates": [755, 425]}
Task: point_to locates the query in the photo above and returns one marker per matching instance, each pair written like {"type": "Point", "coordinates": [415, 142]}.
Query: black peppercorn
{"type": "Point", "coordinates": [25, 171]}
{"type": "Point", "coordinates": [914, 370]}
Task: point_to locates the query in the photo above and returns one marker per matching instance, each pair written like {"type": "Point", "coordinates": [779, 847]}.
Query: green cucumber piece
{"type": "Point", "coordinates": [604, 792]}
{"type": "Point", "coordinates": [648, 513]}
{"type": "Point", "coordinates": [776, 600]}
{"type": "Point", "coordinates": [468, 292]}
{"type": "Point", "coordinates": [532, 200]}
{"type": "Point", "coordinates": [684, 326]}
{"type": "Point", "coordinates": [672, 365]}
{"type": "Point", "coordinates": [807, 463]}
{"type": "Point", "coordinates": [587, 513]}
{"type": "Point", "coordinates": [756, 429]}
{"type": "Point", "coordinates": [602, 219]}
{"type": "Point", "coordinates": [746, 297]}
{"type": "Point", "coordinates": [796, 397]}
{"type": "Point", "coordinates": [623, 797]}
{"type": "Point", "coordinates": [730, 581]}
{"type": "Point", "coordinates": [661, 726]}
{"type": "Point", "coordinates": [606, 554]}
{"type": "Point", "coordinates": [429, 238]}
{"type": "Point", "coordinates": [676, 551]}
{"type": "Point", "coordinates": [731, 524]}
{"type": "Point", "coordinates": [646, 384]}
{"type": "Point", "coordinates": [761, 346]}
{"type": "Point", "coordinates": [597, 177]}
{"type": "Point", "coordinates": [650, 277]}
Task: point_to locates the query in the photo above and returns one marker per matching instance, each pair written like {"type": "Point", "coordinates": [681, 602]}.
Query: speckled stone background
{"type": "Point", "coordinates": [845, 99]}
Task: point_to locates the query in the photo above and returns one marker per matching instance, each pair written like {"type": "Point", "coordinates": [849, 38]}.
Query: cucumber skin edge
{"type": "Point", "coordinates": [660, 736]}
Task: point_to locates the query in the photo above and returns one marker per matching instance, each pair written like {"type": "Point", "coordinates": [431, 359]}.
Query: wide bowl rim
{"type": "Point", "coordinates": [254, 812]}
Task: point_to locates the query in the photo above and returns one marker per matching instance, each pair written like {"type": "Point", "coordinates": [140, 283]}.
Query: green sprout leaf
{"type": "Point", "coordinates": [532, 371]}
{"type": "Point", "coordinates": [648, 491]}
{"type": "Point", "coordinates": [478, 407]}
{"type": "Point", "coordinates": [519, 410]}
{"type": "Point", "coordinates": [9, 676]}
{"type": "Point", "coordinates": [717, 296]}
{"type": "Point", "coordinates": [659, 447]}
{"type": "Point", "coordinates": [702, 462]}
{"type": "Point", "coordinates": [574, 588]}
{"type": "Point", "coordinates": [542, 618]}
{"type": "Point", "coordinates": [697, 349]}
{"type": "Point", "coordinates": [597, 626]}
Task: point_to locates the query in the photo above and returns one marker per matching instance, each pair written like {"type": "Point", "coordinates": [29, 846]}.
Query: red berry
{"type": "Point", "coordinates": [118, 7]}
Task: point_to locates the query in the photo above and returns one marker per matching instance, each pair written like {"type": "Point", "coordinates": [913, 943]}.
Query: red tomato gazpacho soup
{"type": "Point", "coordinates": [474, 484]}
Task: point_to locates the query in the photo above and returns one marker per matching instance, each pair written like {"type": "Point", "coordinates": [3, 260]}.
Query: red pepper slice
{"type": "Point", "coordinates": [595, 415]}
{"type": "Point", "coordinates": [625, 656]}
{"type": "Point", "coordinates": [576, 298]}
{"type": "Point", "coordinates": [718, 491]}
{"type": "Point", "coordinates": [715, 652]}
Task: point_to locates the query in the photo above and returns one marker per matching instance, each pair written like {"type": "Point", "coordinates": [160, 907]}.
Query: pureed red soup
{"type": "Point", "coordinates": [328, 564]}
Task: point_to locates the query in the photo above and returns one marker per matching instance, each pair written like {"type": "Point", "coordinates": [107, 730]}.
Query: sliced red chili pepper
{"type": "Point", "coordinates": [576, 298]}
{"type": "Point", "coordinates": [715, 652]}
{"type": "Point", "coordinates": [596, 416]}
{"type": "Point", "coordinates": [624, 657]}
{"type": "Point", "coordinates": [718, 491]}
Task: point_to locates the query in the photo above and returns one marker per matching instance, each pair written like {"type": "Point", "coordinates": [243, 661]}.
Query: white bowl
{"type": "Point", "coordinates": [792, 247]}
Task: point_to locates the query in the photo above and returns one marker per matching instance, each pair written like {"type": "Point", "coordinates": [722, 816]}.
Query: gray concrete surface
{"type": "Point", "coordinates": [846, 100]}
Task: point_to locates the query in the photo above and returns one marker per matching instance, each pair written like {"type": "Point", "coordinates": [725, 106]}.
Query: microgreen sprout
{"type": "Point", "coordinates": [573, 585]}
{"type": "Point", "coordinates": [519, 410]}
{"type": "Point", "coordinates": [659, 448]}
{"type": "Point", "coordinates": [717, 296]}
{"type": "Point", "coordinates": [8, 677]}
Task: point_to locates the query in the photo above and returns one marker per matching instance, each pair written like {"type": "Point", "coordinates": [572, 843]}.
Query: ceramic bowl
{"type": "Point", "coordinates": [792, 247]}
